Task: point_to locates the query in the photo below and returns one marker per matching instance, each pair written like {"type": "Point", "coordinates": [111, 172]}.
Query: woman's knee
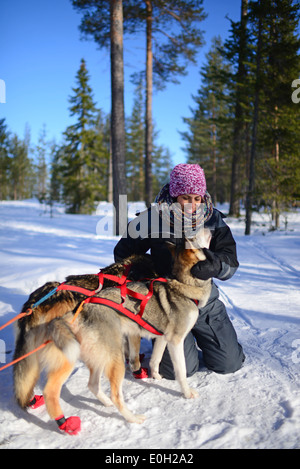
{"type": "Point", "coordinates": [226, 362]}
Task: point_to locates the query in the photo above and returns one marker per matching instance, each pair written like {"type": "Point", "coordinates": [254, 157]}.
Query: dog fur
{"type": "Point", "coordinates": [99, 334]}
{"type": "Point", "coordinates": [64, 301]}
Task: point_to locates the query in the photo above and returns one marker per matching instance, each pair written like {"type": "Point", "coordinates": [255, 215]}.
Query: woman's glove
{"type": "Point", "coordinates": [209, 268]}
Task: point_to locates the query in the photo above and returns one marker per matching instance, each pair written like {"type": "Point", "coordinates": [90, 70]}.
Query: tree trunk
{"type": "Point", "coordinates": [118, 117]}
{"type": "Point", "coordinates": [275, 204]}
{"type": "Point", "coordinates": [214, 154]}
{"type": "Point", "coordinates": [149, 92]}
{"type": "Point", "coordinates": [234, 209]}
{"type": "Point", "coordinates": [249, 197]}
{"type": "Point", "coordinates": [110, 177]}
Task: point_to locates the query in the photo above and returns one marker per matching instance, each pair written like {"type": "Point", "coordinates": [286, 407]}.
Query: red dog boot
{"type": "Point", "coordinates": [71, 425]}
{"type": "Point", "coordinates": [141, 373]}
{"type": "Point", "coordinates": [36, 401]}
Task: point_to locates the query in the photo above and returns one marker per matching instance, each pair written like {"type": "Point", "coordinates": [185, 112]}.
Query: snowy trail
{"type": "Point", "coordinates": [266, 317]}
{"type": "Point", "coordinates": [257, 407]}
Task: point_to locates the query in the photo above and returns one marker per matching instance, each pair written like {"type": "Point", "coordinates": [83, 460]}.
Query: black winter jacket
{"type": "Point", "coordinates": [140, 238]}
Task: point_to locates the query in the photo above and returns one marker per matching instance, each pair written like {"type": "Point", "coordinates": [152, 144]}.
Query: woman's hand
{"type": "Point", "coordinates": [209, 268]}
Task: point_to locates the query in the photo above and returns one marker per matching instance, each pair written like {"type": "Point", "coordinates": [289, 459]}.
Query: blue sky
{"type": "Point", "coordinates": [40, 55]}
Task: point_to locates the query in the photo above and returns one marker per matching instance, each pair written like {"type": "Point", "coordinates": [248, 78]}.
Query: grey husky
{"type": "Point", "coordinates": [99, 334]}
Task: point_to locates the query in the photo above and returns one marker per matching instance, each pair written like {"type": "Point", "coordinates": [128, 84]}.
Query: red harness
{"type": "Point", "coordinates": [124, 290]}
{"type": "Point", "coordinates": [91, 298]}
{"type": "Point", "coordinates": [138, 318]}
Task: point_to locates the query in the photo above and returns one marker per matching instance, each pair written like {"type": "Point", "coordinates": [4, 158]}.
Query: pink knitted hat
{"type": "Point", "coordinates": [187, 179]}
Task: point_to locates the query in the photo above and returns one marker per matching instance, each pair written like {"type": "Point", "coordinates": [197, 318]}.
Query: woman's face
{"type": "Point", "coordinates": [193, 200]}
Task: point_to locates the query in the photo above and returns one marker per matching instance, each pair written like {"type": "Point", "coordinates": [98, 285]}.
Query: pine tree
{"type": "Point", "coordinates": [55, 183]}
{"type": "Point", "coordinates": [210, 127]}
{"type": "Point", "coordinates": [279, 127]}
{"type": "Point", "coordinates": [17, 172]}
{"type": "Point", "coordinates": [172, 41]}
{"type": "Point", "coordinates": [256, 110]}
{"type": "Point", "coordinates": [41, 167]}
{"type": "Point", "coordinates": [135, 152]}
{"type": "Point", "coordinates": [83, 151]}
{"type": "Point", "coordinates": [264, 52]}
{"type": "Point", "coordinates": [103, 19]}
{"type": "Point", "coordinates": [162, 166]}
{"type": "Point", "coordinates": [102, 129]}
{"type": "Point", "coordinates": [21, 169]}
{"type": "Point", "coordinates": [237, 50]}
{"type": "Point", "coordinates": [135, 147]}
{"type": "Point", "coordinates": [118, 116]}
{"type": "Point", "coordinates": [4, 161]}
{"type": "Point", "coordinates": [274, 168]}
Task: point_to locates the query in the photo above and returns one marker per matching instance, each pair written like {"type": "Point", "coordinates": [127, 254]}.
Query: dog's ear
{"type": "Point", "coordinates": [201, 240]}
{"type": "Point", "coordinates": [205, 237]}
{"type": "Point", "coordinates": [172, 247]}
{"type": "Point", "coordinates": [190, 244]}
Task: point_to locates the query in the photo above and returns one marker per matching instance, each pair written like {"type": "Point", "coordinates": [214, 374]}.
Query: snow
{"type": "Point", "coordinates": [257, 407]}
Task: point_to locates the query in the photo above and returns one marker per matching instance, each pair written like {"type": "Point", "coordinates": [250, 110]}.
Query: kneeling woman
{"type": "Point", "coordinates": [191, 209]}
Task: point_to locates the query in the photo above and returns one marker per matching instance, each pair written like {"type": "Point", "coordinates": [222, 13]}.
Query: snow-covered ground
{"type": "Point", "coordinates": [256, 407]}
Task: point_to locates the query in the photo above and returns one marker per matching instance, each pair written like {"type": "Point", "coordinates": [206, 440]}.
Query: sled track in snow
{"type": "Point", "coordinates": [238, 312]}
{"type": "Point", "coordinates": [270, 256]}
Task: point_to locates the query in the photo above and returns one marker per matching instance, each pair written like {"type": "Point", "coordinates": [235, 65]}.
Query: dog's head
{"type": "Point", "coordinates": [188, 253]}
{"type": "Point", "coordinates": [201, 240]}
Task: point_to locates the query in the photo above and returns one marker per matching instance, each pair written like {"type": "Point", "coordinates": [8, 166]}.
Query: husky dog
{"type": "Point", "coordinates": [98, 335]}
{"type": "Point", "coordinates": [57, 305]}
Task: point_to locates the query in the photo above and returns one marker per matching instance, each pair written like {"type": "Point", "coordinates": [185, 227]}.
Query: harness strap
{"type": "Point", "coordinates": [76, 289]}
{"type": "Point", "coordinates": [122, 281]}
{"type": "Point", "coordinates": [101, 277]}
{"type": "Point", "coordinates": [15, 318]}
{"type": "Point", "coordinates": [121, 309]}
{"type": "Point", "coordinates": [26, 355]}
{"type": "Point", "coordinates": [147, 297]}
{"type": "Point", "coordinates": [63, 286]}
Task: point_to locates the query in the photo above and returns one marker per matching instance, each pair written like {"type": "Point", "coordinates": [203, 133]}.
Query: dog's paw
{"type": "Point", "coordinates": [191, 393]}
{"type": "Point", "coordinates": [138, 418]}
{"type": "Point", "coordinates": [141, 373]}
{"type": "Point", "coordinates": [71, 425]}
{"type": "Point", "coordinates": [106, 402]}
{"type": "Point", "coordinates": [131, 417]}
{"type": "Point", "coordinates": [36, 401]}
{"type": "Point", "coordinates": [155, 375]}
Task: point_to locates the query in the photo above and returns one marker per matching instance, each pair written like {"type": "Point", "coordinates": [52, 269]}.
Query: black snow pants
{"type": "Point", "coordinates": [214, 334]}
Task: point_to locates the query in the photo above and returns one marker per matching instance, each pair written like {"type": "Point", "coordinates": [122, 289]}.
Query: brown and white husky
{"type": "Point", "coordinates": [99, 334]}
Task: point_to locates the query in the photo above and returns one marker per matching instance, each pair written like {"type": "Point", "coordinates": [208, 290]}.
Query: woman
{"type": "Point", "coordinates": [190, 208]}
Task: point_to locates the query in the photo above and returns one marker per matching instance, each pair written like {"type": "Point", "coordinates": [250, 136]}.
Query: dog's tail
{"type": "Point", "coordinates": [63, 345]}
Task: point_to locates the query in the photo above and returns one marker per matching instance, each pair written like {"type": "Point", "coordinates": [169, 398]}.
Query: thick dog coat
{"type": "Point", "coordinates": [99, 334]}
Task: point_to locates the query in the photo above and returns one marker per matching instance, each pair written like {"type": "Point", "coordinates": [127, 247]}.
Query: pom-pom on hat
{"type": "Point", "coordinates": [187, 179]}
